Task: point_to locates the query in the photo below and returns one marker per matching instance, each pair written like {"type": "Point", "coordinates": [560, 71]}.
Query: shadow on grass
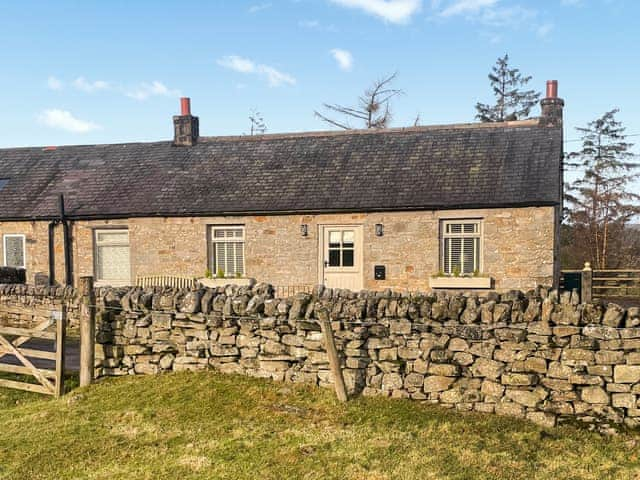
{"type": "Point", "coordinates": [10, 397]}
{"type": "Point", "coordinates": [206, 425]}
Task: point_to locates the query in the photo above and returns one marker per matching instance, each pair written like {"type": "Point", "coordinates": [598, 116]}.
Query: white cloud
{"type": "Point", "coordinates": [343, 57]}
{"type": "Point", "coordinates": [239, 64]}
{"type": "Point", "coordinates": [507, 17]}
{"type": "Point", "coordinates": [394, 11]}
{"type": "Point", "coordinates": [54, 83]}
{"type": "Point", "coordinates": [275, 78]}
{"type": "Point", "coordinates": [153, 89]}
{"type": "Point", "coordinates": [81, 83]}
{"type": "Point", "coordinates": [466, 7]}
{"type": "Point", "coordinates": [258, 7]}
{"type": "Point", "coordinates": [494, 14]}
{"type": "Point", "coordinates": [64, 120]}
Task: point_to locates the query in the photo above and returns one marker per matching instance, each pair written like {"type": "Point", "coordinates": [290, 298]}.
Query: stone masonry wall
{"type": "Point", "coordinates": [537, 355]}
{"type": "Point", "coordinates": [517, 251]}
{"type": "Point", "coordinates": [26, 306]}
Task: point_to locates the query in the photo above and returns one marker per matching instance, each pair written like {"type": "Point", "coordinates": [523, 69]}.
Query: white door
{"type": "Point", "coordinates": [341, 257]}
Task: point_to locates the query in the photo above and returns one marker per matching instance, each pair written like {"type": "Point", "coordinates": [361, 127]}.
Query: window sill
{"type": "Point", "coordinates": [460, 282]}
{"type": "Point", "coordinates": [223, 282]}
{"type": "Point", "coordinates": [112, 283]}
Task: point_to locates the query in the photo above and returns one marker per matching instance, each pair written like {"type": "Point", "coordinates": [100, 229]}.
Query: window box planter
{"type": "Point", "coordinates": [223, 282]}
{"type": "Point", "coordinates": [460, 282]}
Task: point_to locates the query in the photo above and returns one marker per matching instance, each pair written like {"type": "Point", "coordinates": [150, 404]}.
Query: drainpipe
{"type": "Point", "coordinates": [52, 255]}
{"type": "Point", "coordinates": [66, 238]}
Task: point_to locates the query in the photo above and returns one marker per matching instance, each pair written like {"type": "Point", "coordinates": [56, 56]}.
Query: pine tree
{"type": "Point", "coordinates": [512, 103]}
{"type": "Point", "coordinates": [258, 126]}
{"type": "Point", "coordinates": [602, 201]}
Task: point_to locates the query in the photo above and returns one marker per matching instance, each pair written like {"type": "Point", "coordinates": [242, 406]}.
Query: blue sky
{"type": "Point", "coordinates": [100, 72]}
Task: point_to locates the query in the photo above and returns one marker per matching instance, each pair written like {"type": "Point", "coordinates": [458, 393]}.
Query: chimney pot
{"type": "Point", "coordinates": [552, 89]}
{"type": "Point", "coordinates": [185, 106]}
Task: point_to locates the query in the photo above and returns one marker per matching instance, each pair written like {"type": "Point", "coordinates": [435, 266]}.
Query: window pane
{"type": "Point", "coordinates": [238, 267]}
{"type": "Point", "coordinates": [334, 258]}
{"type": "Point", "coordinates": [113, 263]}
{"type": "Point", "coordinates": [228, 255]}
{"type": "Point", "coordinates": [446, 268]}
{"type": "Point", "coordinates": [469, 263]}
{"type": "Point", "coordinates": [231, 259]}
{"type": "Point", "coordinates": [220, 258]}
{"type": "Point", "coordinates": [348, 237]}
{"type": "Point", "coordinates": [455, 228]}
{"type": "Point", "coordinates": [14, 251]}
{"type": "Point", "coordinates": [470, 227]}
{"type": "Point", "coordinates": [113, 237]}
{"type": "Point", "coordinates": [335, 239]}
{"type": "Point", "coordinates": [231, 233]}
{"type": "Point", "coordinates": [347, 257]}
{"type": "Point", "coordinates": [456, 254]}
{"type": "Point", "coordinates": [228, 258]}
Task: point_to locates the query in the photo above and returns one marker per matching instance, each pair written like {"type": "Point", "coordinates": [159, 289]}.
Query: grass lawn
{"type": "Point", "coordinates": [210, 426]}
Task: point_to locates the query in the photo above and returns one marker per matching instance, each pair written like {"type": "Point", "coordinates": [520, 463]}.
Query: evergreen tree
{"type": "Point", "coordinates": [258, 126]}
{"type": "Point", "coordinates": [512, 103]}
{"type": "Point", "coordinates": [603, 200]}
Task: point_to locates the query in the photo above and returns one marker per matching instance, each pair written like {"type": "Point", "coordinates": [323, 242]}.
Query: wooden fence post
{"type": "Point", "coordinates": [87, 331]}
{"type": "Point", "coordinates": [332, 352]}
{"type": "Point", "coordinates": [61, 327]}
{"type": "Point", "coordinates": [587, 283]}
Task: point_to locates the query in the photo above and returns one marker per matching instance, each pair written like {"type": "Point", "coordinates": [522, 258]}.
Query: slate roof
{"type": "Point", "coordinates": [463, 166]}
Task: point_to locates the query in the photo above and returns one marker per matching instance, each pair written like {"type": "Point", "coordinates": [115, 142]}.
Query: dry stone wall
{"type": "Point", "coordinates": [535, 355]}
{"type": "Point", "coordinates": [26, 306]}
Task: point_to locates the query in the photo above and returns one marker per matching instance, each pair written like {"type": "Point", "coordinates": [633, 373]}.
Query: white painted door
{"type": "Point", "coordinates": [341, 257]}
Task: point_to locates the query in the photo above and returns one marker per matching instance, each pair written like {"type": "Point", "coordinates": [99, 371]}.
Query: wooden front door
{"type": "Point", "coordinates": [341, 257]}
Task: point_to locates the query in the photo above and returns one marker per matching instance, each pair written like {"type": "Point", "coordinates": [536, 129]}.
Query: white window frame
{"type": "Point", "coordinates": [213, 261]}
{"type": "Point", "coordinates": [24, 248]}
{"type": "Point", "coordinates": [443, 235]}
{"type": "Point", "coordinates": [97, 244]}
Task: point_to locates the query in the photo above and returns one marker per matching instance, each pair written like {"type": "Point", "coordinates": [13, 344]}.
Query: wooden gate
{"type": "Point", "coordinates": [602, 284]}
{"type": "Point", "coordinates": [50, 381]}
{"type": "Point", "coordinates": [616, 284]}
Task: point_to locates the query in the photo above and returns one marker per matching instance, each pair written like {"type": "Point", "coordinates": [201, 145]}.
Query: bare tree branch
{"type": "Point", "coordinates": [332, 122]}
{"type": "Point", "coordinates": [373, 107]}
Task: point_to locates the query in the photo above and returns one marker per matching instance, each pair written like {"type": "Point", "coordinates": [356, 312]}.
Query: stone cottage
{"type": "Point", "coordinates": [451, 206]}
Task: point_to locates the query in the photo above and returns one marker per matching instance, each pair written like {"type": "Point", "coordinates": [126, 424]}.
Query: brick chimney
{"type": "Point", "coordinates": [185, 125]}
{"type": "Point", "coordinates": [551, 106]}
